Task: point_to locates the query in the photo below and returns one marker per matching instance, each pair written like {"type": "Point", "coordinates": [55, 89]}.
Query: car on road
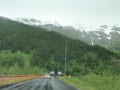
{"type": "Point", "coordinates": [47, 75]}
{"type": "Point", "coordinates": [53, 73]}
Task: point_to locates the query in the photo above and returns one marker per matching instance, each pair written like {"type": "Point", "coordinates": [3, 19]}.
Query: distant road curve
{"type": "Point", "coordinates": [40, 84]}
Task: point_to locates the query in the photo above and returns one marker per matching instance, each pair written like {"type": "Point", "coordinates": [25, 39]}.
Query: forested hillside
{"type": "Point", "coordinates": [30, 49]}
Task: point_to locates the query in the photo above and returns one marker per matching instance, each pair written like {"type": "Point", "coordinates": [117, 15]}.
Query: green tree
{"type": "Point", "coordinates": [27, 66]}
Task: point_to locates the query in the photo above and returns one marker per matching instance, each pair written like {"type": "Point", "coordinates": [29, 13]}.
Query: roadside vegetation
{"type": "Point", "coordinates": [94, 82]}
{"type": "Point", "coordinates": [7, 80]}
{"type": "Point", "coordinates": [17, 64]}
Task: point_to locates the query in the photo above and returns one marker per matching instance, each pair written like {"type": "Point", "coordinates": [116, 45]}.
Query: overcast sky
{"type": "Point", "coordinates": [83, 12]}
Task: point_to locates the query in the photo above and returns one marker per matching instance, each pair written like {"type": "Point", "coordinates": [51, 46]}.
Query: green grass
{"type": "Point", "coordinates": [94, 82]}
{"type": "Point", "coordinates": [77, 83]}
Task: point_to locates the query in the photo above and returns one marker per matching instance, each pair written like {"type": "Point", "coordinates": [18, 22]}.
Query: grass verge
{"type": "Point", "coordinates": [94, 82]}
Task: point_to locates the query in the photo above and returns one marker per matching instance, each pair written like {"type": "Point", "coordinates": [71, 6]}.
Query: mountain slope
{"type": "Point", "coordinates": [47, 50]}
{"type": "Point", "coordinates": [105, 36]}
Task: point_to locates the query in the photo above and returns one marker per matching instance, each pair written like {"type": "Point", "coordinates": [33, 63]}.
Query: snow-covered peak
{"type": "Point", "coordinates": [31, 21]}
{"type": "Point", "coordinates": [104, 28]}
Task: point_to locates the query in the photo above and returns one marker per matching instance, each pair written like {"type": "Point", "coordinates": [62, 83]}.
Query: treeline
{"type": "Point", "coordinates": [17, 64]}
{"type": "Point", "coordinates": [46, 49]}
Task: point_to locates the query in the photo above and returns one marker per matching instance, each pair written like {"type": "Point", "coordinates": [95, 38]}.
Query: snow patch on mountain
{"type": "Point", "coordinates": [108, 38]}
{"type": "Point", "coordinates": [108, 30]}
{"type": "Point", "coordinates": [99, 38]}
{"type": "Point", "coordinates": [92, 40]}
{"type": "Point", "coordinates": [31, 21]}
{"type": "Point", "coordinates": [104, 28]}
{"type": "Point", "coordinates": [118, 32]}
{"type": "Point", "coordinates": [22, 21]}
{"type": "Point", "coordinates": [83, 36]}
{"type": "Point", "coordinates": [97, 34]}
{"type": "Point", "coordinates": [106, 46]}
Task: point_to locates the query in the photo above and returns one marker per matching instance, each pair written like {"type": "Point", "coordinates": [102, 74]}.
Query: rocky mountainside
{"type": "Point", "coordinates": [105, 36]}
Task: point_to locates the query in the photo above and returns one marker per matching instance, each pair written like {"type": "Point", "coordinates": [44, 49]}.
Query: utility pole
{"type": "Point", "coordinates": [65, 55]}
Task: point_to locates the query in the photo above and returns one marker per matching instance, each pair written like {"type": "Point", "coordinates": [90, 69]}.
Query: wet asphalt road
{"type": "Point", "coordinates": [40, 84]}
